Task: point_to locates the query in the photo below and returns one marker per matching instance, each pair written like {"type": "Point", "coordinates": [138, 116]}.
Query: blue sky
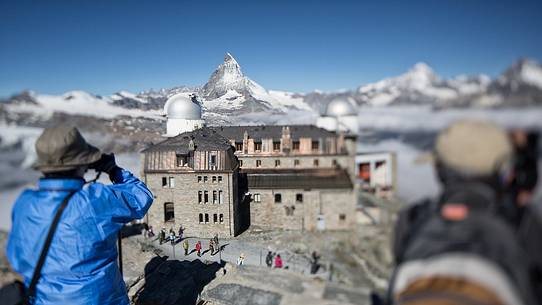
{"type": "Point", "coordinates": [107, 46]}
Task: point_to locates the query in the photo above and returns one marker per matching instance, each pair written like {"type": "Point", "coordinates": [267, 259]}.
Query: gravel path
{"type": "Point", "coordinates": [231, 249]}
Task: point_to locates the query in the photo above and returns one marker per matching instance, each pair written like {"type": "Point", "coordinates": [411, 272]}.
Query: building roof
{"type": "Point", "coordinates": [335, 178]}
{"type": "Point", "coordinates": [204, 139]}
{"type": "Point", "coordinates": [273, 132]}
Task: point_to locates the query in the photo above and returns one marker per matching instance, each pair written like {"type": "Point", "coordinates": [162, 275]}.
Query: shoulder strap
{"type": "Point", "coordinates": [37, 272]}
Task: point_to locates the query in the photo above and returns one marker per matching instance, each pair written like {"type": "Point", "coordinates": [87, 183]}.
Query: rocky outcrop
{"type": "Point", "coordinates": [265, 286]}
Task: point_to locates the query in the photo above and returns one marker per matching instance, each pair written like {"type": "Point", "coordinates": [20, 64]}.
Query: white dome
{"type": "Point", "coordinates": [182, 106]}
{"type": "Point", "coordinates": [341, 107]}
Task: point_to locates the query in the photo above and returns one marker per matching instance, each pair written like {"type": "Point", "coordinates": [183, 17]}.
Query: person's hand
{"type": "Point", "coordinates": [106, 164]}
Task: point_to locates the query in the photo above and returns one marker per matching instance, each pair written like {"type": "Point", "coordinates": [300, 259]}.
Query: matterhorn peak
{"type": "Point", "coordinates": [227, 76]}
{"type": "Point", "coordinates": [229, 58]}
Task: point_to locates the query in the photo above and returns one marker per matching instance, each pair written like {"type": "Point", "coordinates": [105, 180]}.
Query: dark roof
{"type": "Point", "coordinates": [273, 132]}
{"type": "Point", "coordinates": [331, 178]}
{"type": "Point", "coordinates": [204, 139]}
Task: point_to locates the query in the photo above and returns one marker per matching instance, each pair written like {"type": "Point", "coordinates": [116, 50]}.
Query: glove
{"type": "Point", "coordinates": [106, 164]}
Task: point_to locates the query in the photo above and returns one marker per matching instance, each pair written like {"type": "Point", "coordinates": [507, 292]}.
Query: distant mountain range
{"type": "Point", "coordinates": [230, 94]}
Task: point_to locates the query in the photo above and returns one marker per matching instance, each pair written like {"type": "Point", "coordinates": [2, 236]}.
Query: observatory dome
{"type": "Point", "coordinates": [342, 106]}
{"type": "Point", "coordinates": [183, 106]}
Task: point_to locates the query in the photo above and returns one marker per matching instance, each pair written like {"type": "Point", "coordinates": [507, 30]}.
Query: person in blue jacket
{"type": "Point", "coordinates": [81, 266]}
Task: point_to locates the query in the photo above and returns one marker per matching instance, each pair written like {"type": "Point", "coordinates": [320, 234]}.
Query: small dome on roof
{"type": "Point", "coordinates": [183, 106]}
{"type": "Point", "coordinates": [341, 106]}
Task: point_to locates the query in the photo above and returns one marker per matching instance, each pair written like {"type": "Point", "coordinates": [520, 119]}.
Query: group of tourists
{"type": "Point", "coordinates": [214, 246]}
{"type": "Point", "coordinates": [273, 260]}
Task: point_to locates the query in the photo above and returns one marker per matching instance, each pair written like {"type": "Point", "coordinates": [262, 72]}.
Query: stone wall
{"type": "Point", "coordinates": [187, 209]}
{"type": "Point", "coordinates": [336, 205]}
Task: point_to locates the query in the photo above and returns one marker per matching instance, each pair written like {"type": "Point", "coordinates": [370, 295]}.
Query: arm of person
{"type": "Point", "coordinates": [128, 198]}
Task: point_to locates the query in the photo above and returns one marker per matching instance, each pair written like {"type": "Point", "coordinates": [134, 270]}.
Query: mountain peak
{"type": "Point", "coordinates": [227, 76]}
{"type": "Point", "coordinates": [229, 58]}
{"type": "Point", "coordinates": [422, 67]}
{"type": "Point", "coordinates": [523, 71]}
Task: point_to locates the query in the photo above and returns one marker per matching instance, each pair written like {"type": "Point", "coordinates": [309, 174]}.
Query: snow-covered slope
{"type": "Point", "coordinates": [76, 103]}
{"type": "Point", "coordinates": [420, 85]}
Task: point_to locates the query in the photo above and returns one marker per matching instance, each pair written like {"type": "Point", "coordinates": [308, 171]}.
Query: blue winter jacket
{"type": "Point", "coordinates": [81, 266]}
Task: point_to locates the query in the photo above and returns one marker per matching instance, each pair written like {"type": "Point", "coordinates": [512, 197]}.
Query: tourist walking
{"type": "Point", "coordinates": [269, 259]}
{"type": "Point", "coordinates": [241, 259]}
{"type": "Point", "coordinates": [212, 246]}
{"type": "Point", "coordinates": [150, 233]}
{"type": "Point", "coordinates": [162, 235]}
{"type": "Point", "coordinates": [278, 261]}
{"type": "Point", "coordinates": [181, 231]}
{"type": "Point", "coordinates": [198, 248]}
{"type": "Point", "coordinates": [185, 246]}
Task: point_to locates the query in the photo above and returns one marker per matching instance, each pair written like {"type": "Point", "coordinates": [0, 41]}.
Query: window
{"type": "Point", "coordinates": [215, 218]}
{"type": "Point", "coordinates": [205, 179]}
{"type": "Point", "coordinates": [295, 145]}
{"type": "Point", "coordinates": [296, 162]}
{"type": "Point", "coordinates": [258, 163]}
{"type": "Point", "coordinates": [258, 146]}
{"type": "Point", "coordinates": [219, 179]}
{"type": "Point", "coordinates": [278, 198]}
{"type": "Point", "coordinates": [182, 160]}
{"type": "Point", "coordinates": [334, 162]}
{"type": "Point", "coordinates": [342, 217]}
{"type": "Point", "coordinates": [169, 214]}
{"type": "Point", "coordinates": [239, 146]}
{"type": "Point", "coordinates": [257, 198]}
{"type": "Point", "coordinates": [240, 163]}
{"type": "Point", "coordinates": [276, 146]}
{"type": "Point", "coordinates": [221, 218]}
{"type": "Point", "coordinates": [316, 162]}
{"type": "Point", "coordinates": [200, 218]}
{"type": "Point", "coordinates": [199, 179]}
{"type": "Point", "coordinates": [214, 197]}
{"type": "Point", "coordinates": [206, 196]}
{"type": "Point", "coordinates": [315, 145]}
{"type": "Point", "coordinates": [200, 196]}
{"type": "Point", "coordinates": [277, 163]}
{"type": "Point", "coordinates": [168, 182]}
{"type": "Point", "coordinates": [299, 198]}
{"type": "Point", "coordinates": [212, 160]}
{"type": "Point", "coordinates": [206, 218]}
{"type": "Point", "coordinates": [214, 179]}
{"type": "Point", "coordinates": [220, 199]}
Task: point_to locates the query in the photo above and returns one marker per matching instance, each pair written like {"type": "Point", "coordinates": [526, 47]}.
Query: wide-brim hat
{"type": "Point", "coordinates": [472, 148]}
{"type": "Point", "coordinates": [62, 148]}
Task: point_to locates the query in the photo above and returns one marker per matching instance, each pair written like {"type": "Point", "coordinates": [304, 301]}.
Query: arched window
{"type": "Point", "coordinates": [169, 213]}
{"type": "Point", "coordinates": [278, 198]}
{"type": "Point", "coordinates": [200, 217]}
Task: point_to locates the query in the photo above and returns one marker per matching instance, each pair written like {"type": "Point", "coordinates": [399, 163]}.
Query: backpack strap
{"type": "Point", "coordinates": [31, 292]}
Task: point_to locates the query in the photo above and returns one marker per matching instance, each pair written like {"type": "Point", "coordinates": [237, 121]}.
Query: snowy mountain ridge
{"type": "Point", "coordinates": [229, 93]}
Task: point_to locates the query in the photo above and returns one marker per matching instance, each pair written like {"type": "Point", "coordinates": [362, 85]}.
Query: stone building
{"type": "Point", "coordinates": [224, 179]}
{"type": "Point", "coordinates": [194, 179]}
{"type": "Point", "coordinates": [299, 177]}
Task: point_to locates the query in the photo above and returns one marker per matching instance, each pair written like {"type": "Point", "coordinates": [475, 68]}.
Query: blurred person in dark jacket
{"type": "Point", "coordinates": [459, 249]}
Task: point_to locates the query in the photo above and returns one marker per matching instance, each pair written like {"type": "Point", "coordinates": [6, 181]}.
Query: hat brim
{"type": "Point", "coordinates": [90, 155]}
